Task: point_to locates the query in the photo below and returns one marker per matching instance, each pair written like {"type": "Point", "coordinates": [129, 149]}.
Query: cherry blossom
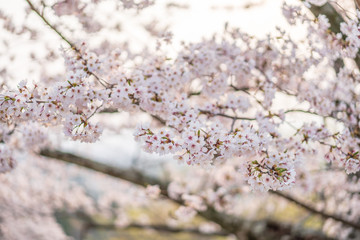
{"type": "Point", "coordinates": [242, 114]}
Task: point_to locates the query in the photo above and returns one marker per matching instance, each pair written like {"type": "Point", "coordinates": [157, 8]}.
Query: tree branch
{"type": "Point", "coordinates": [330, 12]}
{"type": "Point", "coordinates": [335, 19]}
{"type": "Point", "coordinates": [32, 7]}
{"type": "Point", "coordinates": [132, 176]}
{"type": "Point", "coordinates": [226, 116]}
{"type": "Point", "coordinates": [313, 210]}
{"type": "Point", "coordinates": [71, 44]}
{"type": "Point", "coordinates": [230, 224]}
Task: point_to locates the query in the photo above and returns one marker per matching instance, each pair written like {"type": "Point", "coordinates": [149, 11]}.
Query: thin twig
{"type": "Point", "coordinates": [225, 115]}
{"type": "Point", "coordinates": [72, 45]}
{"type": "Point", "coordinates": [51, 26]}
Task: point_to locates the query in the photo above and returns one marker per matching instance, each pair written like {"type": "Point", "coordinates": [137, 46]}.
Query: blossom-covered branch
{"type": "Point", "coordinates": [247, 114]}
{"type": "Point", "coordinates": [195, 132]}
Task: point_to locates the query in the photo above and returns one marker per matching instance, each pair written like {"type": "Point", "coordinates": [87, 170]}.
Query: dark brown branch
{"type": "Point", "coordinates": [253, 119]}
{"type": "Point", "coordinates": [162, 121]}
{"type": "Point", "coordinates": [330, 12]}
{"type": "Point", "coordinates": [157, 118]}
{"type": "Point", "coordinates": [132, 176]}
{"type": "Point", "coordinates": [332, 115]}
{"type": "Point", "coordinates": [141, 180]}
{"type": "Point", "coordinates": [335, 19]}
{"type": "Point", "coordinates": [313, 210]}
{"type": "Point", "coordinates": [357, 3]}
{"type": "Point", "coordinates": [109, 110]}
{"type": "Point", "coordinates": [228, 223]}
{"type": "Point", "coordinates": [226, 116]}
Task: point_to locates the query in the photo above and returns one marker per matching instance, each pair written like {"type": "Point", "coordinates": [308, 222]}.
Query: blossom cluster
{"type": "Point", "coordinates": [215, 99]}
{"type": "Point", "coordinates": [273, 172]}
